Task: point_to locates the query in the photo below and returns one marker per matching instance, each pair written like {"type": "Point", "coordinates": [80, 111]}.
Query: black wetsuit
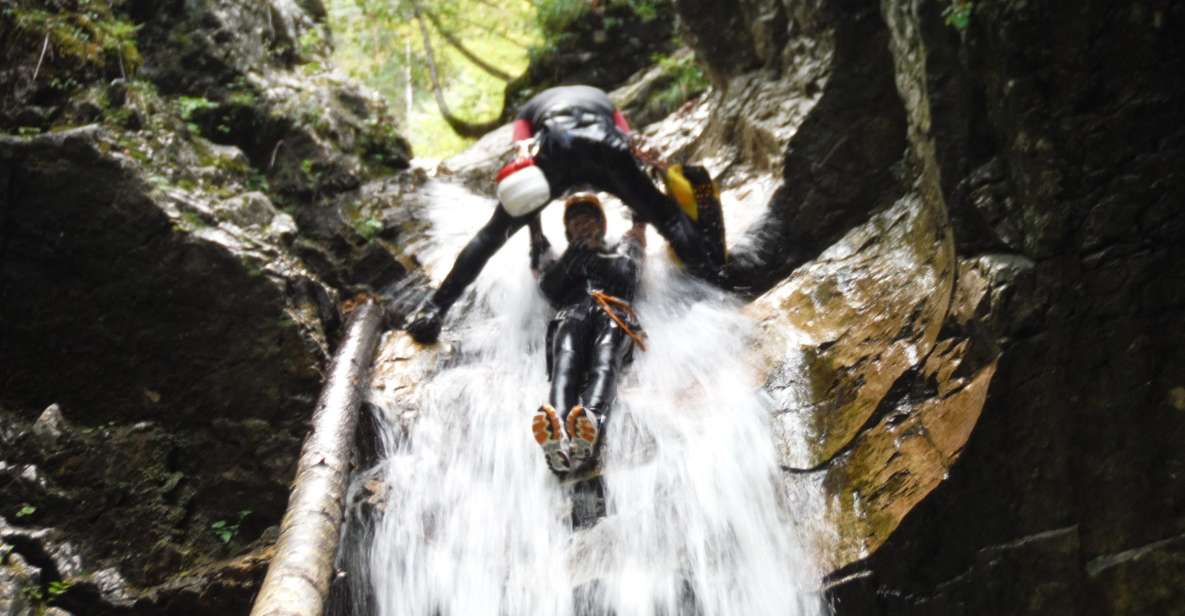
{"type": "Point", "coordinates": [581, 145]}
{"type": "Point", "coordinates": [586, 347]}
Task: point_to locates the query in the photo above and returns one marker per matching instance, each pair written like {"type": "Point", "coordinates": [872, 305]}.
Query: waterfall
{"type": "Point", "coordinates": [700, 519]}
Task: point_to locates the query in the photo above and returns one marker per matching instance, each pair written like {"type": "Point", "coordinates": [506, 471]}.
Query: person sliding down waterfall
{"type": "Point", "coordinates": [593, 333]}
{"type": "Point", "coordinates": [579, 139]}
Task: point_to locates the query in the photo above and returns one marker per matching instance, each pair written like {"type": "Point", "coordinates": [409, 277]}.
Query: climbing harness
{"type": "Point", "coordinates": [609, 303]}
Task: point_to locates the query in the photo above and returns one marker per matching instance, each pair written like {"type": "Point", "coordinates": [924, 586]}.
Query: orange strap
{"type": "Point", "coordinates": [608, 303]}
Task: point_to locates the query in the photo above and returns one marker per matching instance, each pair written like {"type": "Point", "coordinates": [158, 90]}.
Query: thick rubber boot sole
{"type": "Point", "coordinates": [583, 431]}
{"type": "Point", "coordinates": [550, 436]}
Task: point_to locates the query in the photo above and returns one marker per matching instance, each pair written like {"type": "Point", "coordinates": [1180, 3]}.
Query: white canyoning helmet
{"type": "Point", "coordinates": [522, 187]}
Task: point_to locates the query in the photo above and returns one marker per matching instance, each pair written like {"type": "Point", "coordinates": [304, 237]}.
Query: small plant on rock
{"type": "Point", "coordinates": [58, 588]}
{"type": "Point", "coordinates": [189, 105]}
{"type": "Point", "coordinates": [225, 531]}
{"type": "Point", "coordinates": [369, 228]}
{"type": "Point", "coordinates": [958, 14]}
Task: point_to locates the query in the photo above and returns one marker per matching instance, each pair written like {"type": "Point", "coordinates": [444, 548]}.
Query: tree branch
{"type": "Point", "coordinates": [459, 126]}
{"type": "Point", "coordinates": [469, 55]}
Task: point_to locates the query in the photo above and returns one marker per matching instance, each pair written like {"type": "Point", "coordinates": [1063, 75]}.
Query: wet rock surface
{"type": "Point", "coordinates": [180, 214]}
{"type": "Point", "coordinates": [1024, 460]}
{"type": "Point", "coordinates": [1037, 138]}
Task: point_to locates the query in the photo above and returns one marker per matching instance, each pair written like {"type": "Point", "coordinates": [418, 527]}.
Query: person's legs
{"type": "Point", "coordinates": [607, 353]}
{"type": "Point", "coordinates": [566, 357]}
{"type": "Point", "coordinates": [608, 349]}
{"type": "Point", "coordinates": [567, 352]}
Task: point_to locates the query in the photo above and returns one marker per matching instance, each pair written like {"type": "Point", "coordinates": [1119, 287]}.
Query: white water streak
{"type": "Point", "coordinates": [476, 524]}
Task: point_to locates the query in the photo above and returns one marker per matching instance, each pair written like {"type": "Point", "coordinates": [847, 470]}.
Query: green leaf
{"type": "Point", "coordinates": [58, 588]}
{"type": "Point", "coordinates": [26, 510]}
{"type": "Point", "coordinates": [958, 14]}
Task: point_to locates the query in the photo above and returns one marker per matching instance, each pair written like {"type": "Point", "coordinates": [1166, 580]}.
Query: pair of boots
{"type": "Point", "coordinates": [570, 451]}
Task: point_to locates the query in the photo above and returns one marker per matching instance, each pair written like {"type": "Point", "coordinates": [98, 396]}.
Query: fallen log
{"type": "Point", "coordinates": [298, 578]}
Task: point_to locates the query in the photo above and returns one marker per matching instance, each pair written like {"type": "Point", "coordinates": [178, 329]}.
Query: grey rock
{"type": "Point", "coordinates": [16, 575]}
{"type": "Point", "coordinates": [51, 425]}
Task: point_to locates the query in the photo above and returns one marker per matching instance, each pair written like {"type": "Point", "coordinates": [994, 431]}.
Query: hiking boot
{"type": "Point", "coordinates": [550, 436]}
{"type": "Point", "coordinates": [584, 432]}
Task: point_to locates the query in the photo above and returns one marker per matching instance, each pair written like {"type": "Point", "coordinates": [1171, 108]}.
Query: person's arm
{"type": "Point", "coordinates": [523, 131]}
{"type": "Point", "coordinates": [634, 241]}
{"type": "Point", "coordinates": [620, 121]}
{"type": "Point", "coordinates": [424, 324]}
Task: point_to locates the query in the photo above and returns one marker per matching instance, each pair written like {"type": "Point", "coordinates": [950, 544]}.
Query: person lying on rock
{"type": "Point", "coordinates": [593, 333]}
{"type": "Point", "coordinates": [578, 139]}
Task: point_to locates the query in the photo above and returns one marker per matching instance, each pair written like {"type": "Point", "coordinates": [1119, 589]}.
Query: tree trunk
{"type": "Point", "coordinates": [461, 127]}
{"type": "Point", "coordinates": [297, 582]}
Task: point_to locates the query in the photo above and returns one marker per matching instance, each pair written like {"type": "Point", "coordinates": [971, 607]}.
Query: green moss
{"type": "Point", "coordinates": [191, 221]}
{"type": "Point", "coordinates": [86, 32]}
{"type": "Point", "coordinates": [686, 77]}
{"type": "Point", "coordinates": [368, 228]}
{"type": "Point", "coordinates": [554, 16]}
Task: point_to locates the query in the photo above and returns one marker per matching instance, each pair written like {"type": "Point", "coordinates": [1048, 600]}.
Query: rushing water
{"type": "Point", "coordinates": [699, 519]}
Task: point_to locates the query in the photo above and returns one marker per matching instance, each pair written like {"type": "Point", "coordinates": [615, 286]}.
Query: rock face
{"type": "Point", "coordinates": [1026, 458]}
{"type": "Point", "coordinates": [601, 45]}
{"type": "Point", "coordinates": [183, 202]}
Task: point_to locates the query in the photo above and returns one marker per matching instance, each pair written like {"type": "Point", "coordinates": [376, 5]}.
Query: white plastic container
{"type": "Point", "coordinates": [522, 188]}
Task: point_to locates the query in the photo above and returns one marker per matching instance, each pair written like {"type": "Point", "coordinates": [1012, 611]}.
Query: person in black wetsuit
{"type": "Point", "coordinates": [593, 333]}
{"type": "Point", "coordinates": [581, 140]}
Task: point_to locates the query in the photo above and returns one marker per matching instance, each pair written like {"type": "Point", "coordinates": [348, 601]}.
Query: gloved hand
{"type": "Point", "coordinates": [424, 324]}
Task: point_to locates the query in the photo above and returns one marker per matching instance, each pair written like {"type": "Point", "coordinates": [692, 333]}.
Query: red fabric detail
{"type": "Point", "coordinates": [522, 130]}
{"type": "Point", "coordinates": [620, 121]}
{"type": "Point", "coordinates": [513, 167]}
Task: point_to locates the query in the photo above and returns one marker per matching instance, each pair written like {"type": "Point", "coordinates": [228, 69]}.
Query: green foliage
{"type": "Point", "coordinates": [33, 593]}
{"type": "Point", "coordinates": [54, 590]}
{"type": "Point", "coordinates": [188, 106]}
{"type": "Point", "coordinates": [369, 228]}
{"type": "Point", "coordinates": [554, 16]}
{"type": "Point", "coordinates": [311, 41]}
{"type": "Point", "coordinates": [686, 77]}
{"type": "Point", "coordinates": [226, 531]}
{"type": "Point", "coordinates": [379, 43]}
{"type": "Point", "coordinates": [86, 32]}
{"type": "Point", "coordinates": [190, 220]}
{"type": "Point", "coordinates": [25, 511]}
{"type": "Point", "coordinates": [958, 14]}
{"type": "Point", "coordinates": [58, 588]}
{"type": "Point", "coordinates": [645, 9]}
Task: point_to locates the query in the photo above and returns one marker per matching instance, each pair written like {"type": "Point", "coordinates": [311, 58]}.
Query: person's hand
{"type": "Point", "coordinates": [424, 324]}
{"type": "Point", "coordinates": [522, 149]}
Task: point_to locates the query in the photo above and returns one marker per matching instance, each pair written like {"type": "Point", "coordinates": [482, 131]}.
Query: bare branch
{"type": "Point", "coordinates": [469, 55]}
{"type": "Point", "coordinates": [459, 126]}
{"type": "Point", "coordinates": [44, 48]}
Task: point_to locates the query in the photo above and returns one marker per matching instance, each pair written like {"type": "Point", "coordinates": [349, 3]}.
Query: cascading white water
{"type": "Point", "coordinates": [698, 514]}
